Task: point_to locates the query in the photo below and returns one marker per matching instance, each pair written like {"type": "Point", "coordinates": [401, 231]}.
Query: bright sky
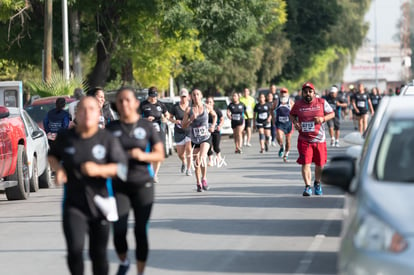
{"type": "Point", "coordinates": [388, 14]}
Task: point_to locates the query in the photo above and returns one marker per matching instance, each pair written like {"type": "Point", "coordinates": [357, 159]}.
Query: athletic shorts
{"type": "Point", "coordinates": [266, 125]}
{"type": "Point", "coordinates": [315, 152]}
{"type": "Point", "coordinates": [334, 123]}
{"type": "Point", "coordinates": [236, 123]}
{"type": "Point", "coordinates": [285, 127]}
{"type": "Point", "coordinates": [183, 141]}
{"type": "Point", "coordinates": [195, 145]}
{"type": "Point", "coordinates": [248, 123]}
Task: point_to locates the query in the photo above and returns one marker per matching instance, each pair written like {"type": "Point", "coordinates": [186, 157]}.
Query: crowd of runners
{"type": "Point", "coordinates": [102, 156]}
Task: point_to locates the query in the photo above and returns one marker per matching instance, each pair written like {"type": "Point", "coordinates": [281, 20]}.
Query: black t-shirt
{"type": "Point", "coordinates": [375, 100]}
{"type": "Point", "coordinates": [72, 151]}
{"type": "Point", "coordinates": [178, 113]}
{"type": "Point", "coordinates": [140, 135]}
{"type": "Point", "coordinates": [237, 111]}
{"type": "Point", "coordinates": [262, 112]}
{"type": "Point", "coordinates": [219, 116]}
{"type": "Point", "coordinates": [361, 102]}
{"type": "Point", "coordinates": [147, 109]}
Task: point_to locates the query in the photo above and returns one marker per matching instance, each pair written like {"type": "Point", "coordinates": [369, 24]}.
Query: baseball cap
{"type": "Point", "coordinates": [152, 92]}
{"type": "Point", "coordinates": [284, 90]}
{"type": "Point", "coordinates": [183, 92]}
{"type": "Point", "coordinates": [333, 89]}
{"type": "Point", "coordinates": [308, 85]}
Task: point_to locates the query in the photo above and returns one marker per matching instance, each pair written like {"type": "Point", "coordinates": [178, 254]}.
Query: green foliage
{"type": "Point", "coordinates": [8, 8]}
{"type": "Point", "coordinates": [8, 69]}
{"type": "Point", "coordinates": [57, 86]}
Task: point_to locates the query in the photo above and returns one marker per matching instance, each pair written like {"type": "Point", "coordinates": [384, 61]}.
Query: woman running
{"type": "Point", "coordinates": [263, 121]}
{"type": "Point", "coordinates": [144, 146]}
{"type": "Point", "coordinates": [283, 124]}
{"type": "Point", "coordinates": [196, 117]}
{"type": "Point", "coordinates": [182, 136]}
{"type": "Point", "coordinates": [83, 158]}
{"type": "Point", "coordinates": [235, 112]}
{"type": "Point", "coordinates": [216, 135]}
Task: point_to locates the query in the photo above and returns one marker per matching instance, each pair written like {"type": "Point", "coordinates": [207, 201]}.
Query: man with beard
{"type": "Point", "coordinates": [309, 115]}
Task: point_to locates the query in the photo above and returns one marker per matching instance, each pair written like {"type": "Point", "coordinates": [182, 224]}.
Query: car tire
{"type": "Point", "coordinates": [45, 179]}
{"type": "Point", "coordinates": [22, 190]}
{"type": "Point", "coordinates": [34, 181]}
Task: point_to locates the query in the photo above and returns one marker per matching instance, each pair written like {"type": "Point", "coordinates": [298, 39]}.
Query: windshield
{"type": "Point", "coordinates": [396, 152]}
{"type": "Point", "coordinates": [38, 112]}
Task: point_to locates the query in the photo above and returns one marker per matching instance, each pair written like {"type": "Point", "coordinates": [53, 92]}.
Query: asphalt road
{"type": "Point", "coordinates": [253, 220]}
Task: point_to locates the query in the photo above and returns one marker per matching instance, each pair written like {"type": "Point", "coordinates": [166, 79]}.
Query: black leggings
{"type": "Point", "coordinates": [140, 199]}
{"type": "Point", "coordinates": [216, 138]}
{"type": "Point", "coordinates": [76, 225]}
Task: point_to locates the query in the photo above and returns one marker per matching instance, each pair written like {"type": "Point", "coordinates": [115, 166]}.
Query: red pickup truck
{"type": "Point", "coordinates": [14, 168]}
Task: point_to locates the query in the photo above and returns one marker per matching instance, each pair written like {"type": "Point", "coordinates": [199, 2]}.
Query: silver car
{"type": "Point", "coordinates": [378, 229]}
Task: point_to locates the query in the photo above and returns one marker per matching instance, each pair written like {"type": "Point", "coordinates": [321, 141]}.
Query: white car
{"type": "Point", "coordinates": [37, 149]}
{"type": "Point", "coordinates": [168, 126]}
{"type": "Point", "coordinates": [221, 103]}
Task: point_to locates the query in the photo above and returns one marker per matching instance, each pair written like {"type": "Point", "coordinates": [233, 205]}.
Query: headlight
{"type": "Point", "coordinates": [375, 235]}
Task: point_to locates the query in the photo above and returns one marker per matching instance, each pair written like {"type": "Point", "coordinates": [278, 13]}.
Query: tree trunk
{"type": "Point", "coordinates": [75, 32]}
{"type": "Point", "coordinates": [48, 41]}
{"type": "Point", "coordinates": [100, 72]}
{"type": "Point", "coordinates": [127, 75]}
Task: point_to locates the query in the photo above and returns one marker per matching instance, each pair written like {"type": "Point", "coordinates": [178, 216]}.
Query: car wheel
{"type": "Point", "coordinates": [22, 190]}
{"type": "Point", "coordinates": [45, 179]}
{"type": "Point", "coordinates": [34, 181]}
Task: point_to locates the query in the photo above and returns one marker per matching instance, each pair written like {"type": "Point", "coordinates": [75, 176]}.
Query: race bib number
{"type": "Point", "coordinates": [156, 127]}
{"type": "Point", "coordinates": [375, 101]}
{"type": "Point", "coordinates": [308, 126]}
{"type": "Point", "coordinates": [200, 131]}
{"type": "Point", "coordinates": [263, 116]}
{"type": "Point", "coordinates": [283, 119]}
{"type": "Point", "coordinates": [361, 104]}
{"type": "Point", "coordinates": [235, 116]}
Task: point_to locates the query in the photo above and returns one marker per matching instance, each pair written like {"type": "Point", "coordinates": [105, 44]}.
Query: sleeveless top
{"type": "Point", "coordinates": [199, 127]}
{"type": "Point", "coordinates": [282, 112]}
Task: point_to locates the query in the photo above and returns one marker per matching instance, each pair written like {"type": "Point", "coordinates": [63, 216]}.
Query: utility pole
{"type": "Point", "coordinates": [48, 41]}
{"type": "Point", "coordinates": [65, 39]}
{"type": "Point", "coordinates": [376, 44]}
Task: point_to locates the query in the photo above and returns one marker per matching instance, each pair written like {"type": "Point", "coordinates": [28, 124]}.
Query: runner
{"type": "Point", "coordinates": [196, 118]}
{"type": "Point", "coordinates": [143, 145]}
{"type": "Point", "coordinates": [375, 98]}
{"type": "Point", "coordinates": [216, 135]}
{"type": "Point", "coordinates": [83, 158]}
{"type": "Point", "coordinates": [308, 116]}
{"type": "Point", "coordinates": [235, 112]}
{"type": "Point", "coordinates": [337, 106]}
{"type": "Point", "coordinates": [263, 121]}
{"type": "Point", "coordinates": [361, 102]}
{"type": "Point", "coordinates": [154, 111]}
{"type": "Point", "coordinates": [249, 102]}
{"type": "Point", "coordinates": [283, 123]}
{"type": "Point", "coordinates": [182, 136]}
{"type": "Point", "coordinates": [275, 97]}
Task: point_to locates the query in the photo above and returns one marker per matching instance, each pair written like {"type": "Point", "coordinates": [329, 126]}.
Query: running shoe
{"type": "Point", "coordinates": [281, 152]}
{"type": "Point", "coordinates": [182, 168]}
{"type": "Point", "coordinates": [249, 144]}
{"type": "Point", "coordinates": [188, 172]}
{"type": "Point", "coordinates": [199, 188]}
{"type": "Point", "coordinates": [273, 144]}
{"type": "Point", "coordinates": [122, 269]}
{"type": "Point", "coordinates": [285, 158]}
{"type": "Point", "coordinates": [332, 142]}
{"type": "Point", "coordinates": [337, 143]}
{"type": "Point", "coordinates": [156, 179]}
{"type": "Point", "coordinates": [205, 185]}
{"type": "Point", "coordinates": [261, 151]}
{"type": "Point", "coordinates": [266, 147]}
{"type": "Point", "coordinates": [308, 191]}
{"type": "Point", "coordinates": [318, 189]}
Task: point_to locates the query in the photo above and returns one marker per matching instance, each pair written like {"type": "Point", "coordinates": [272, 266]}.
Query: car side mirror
{"type": "Point", "coordinates": [4, 112]}
{"type": "Point", "coordinates": [339, 172]}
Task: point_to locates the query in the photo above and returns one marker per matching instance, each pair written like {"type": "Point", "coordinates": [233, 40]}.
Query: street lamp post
{"type": "Point", "coordinates": [376, 44]}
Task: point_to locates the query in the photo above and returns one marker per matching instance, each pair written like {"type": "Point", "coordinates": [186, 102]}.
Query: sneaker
{"type": "Point", "coordinates": [156, 179]}
{"type": "Point", "coordinates": [199, 188]}
{"type": "Point", "coordinates": [337, 143]}
{"type": "Point", "coordinates": [205, 185]}
{"type": "Point", "coordinates": [261, 151]}
{"type": "Point", "coordinates": [188, 172]}
{"type": "Point", "coordinates": [308, 191]}
{"type": "Point", "coordinates": [266, 147]}
{"type": "Point", "coordinates": [182, 168]}
{"type": "Point", "coordinates": [318, 189]}
{"type": "Point", "coordinates": [249, 144]}
{"type": "Point", "coordinates": [332, 142]}
{"type": "Point", "coordinates": [285, 158]}
{"type": "Point", "coordinates": [122, 269]}
{"type": "Point", "coordinates": [281, 152]}
{"type": "Point", "coordinates": [273, 144]}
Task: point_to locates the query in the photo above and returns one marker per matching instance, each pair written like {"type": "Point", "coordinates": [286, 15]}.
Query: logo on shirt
{"type": "Point", "coordinates": [98, 151]}
{"type": "Point", "coordinates": [117, 133]}
{"type": "Point", "coordinates": [139, 133]}
{"type": "Point", "coordinates": [70, 150]}
{"type": "Point", "coordinates": [159, 108]}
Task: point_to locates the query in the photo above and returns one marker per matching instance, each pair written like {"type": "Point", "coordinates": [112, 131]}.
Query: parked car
{"type": "Point", "coordinates": [41, 106]}
{"type": "Point", "coordinates": [378, 229]}
{"type": "Point", "coordinates": [221, 103]}
{"type": "Point", "coordinates": [14, 167]}
{"type": "Point", "coordinates": [36, 150]}
{"type": "Point", "coordinates": [408, 89]}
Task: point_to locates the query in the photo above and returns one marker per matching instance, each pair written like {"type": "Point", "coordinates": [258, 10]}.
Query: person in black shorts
{"type": "Point", "coordinates": [235, 112]}
{"type": "Point", "coordinates": [337, 106]}
{"type": "Point", "coordinates": [156, 112]}
{"type": "Point", "coordinates": [263, 121]}
{"type": "Point", "coordinates": [196, 118]}
{"type": "Point", "coordinates": [83, 158]}
{"type": "Point", "coordinates": [362, 104]}
{"type": "Point", "coordinates": [143, 145]}
{"type": "Point", "coordinates": [215, 136]}
{"type": "Point", "coordinates": [375, 98]}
